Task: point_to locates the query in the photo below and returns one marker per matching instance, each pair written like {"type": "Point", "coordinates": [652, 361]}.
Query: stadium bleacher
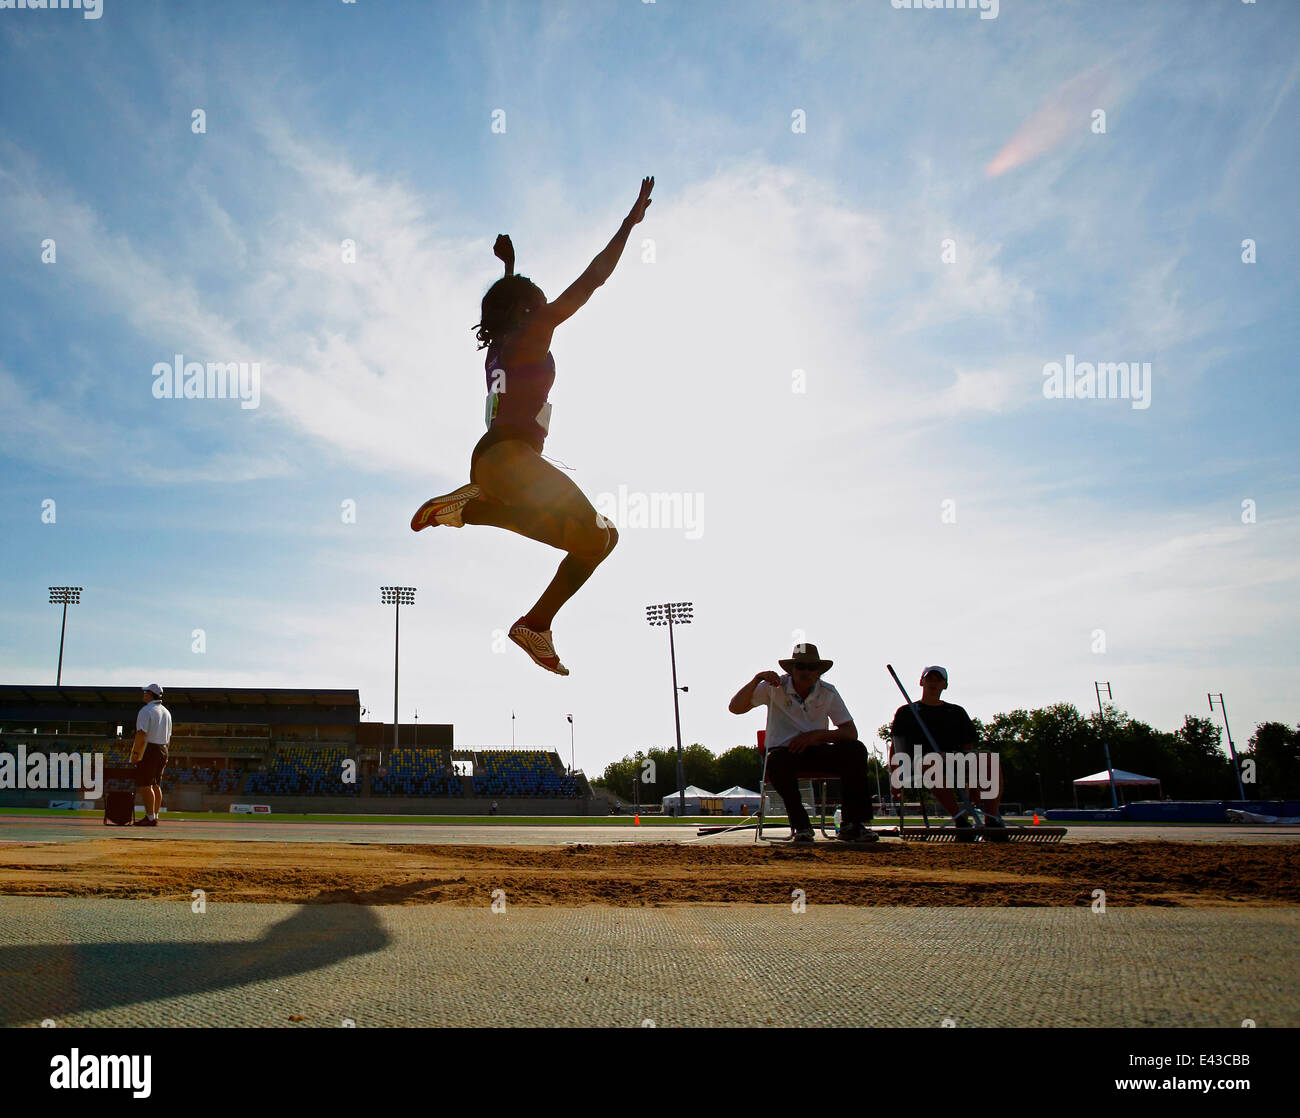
{"type": "Point", "coordinates": [503, 772]}
{"type": "Point", "coordinates": [317, 770]}
{"type": "Point", "coordinates": [219, 782]}
{"type": "Point", "coordinates": [299, 771]}
{"type": "Point", "coordinates": [417, 772]}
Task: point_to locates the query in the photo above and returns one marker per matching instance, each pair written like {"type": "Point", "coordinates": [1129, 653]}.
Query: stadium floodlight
{"type": "Point", "coordinates": [670, 613]}
{"type": "Point", "coordinates": [65, 596]}
{"type": "Point", "coordinates": [1236, 768]}
{"type": "Point", "coordinates": [397, 597]}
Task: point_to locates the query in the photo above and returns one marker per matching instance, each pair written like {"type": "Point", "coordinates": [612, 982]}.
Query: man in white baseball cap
{"type": "Point", "coordinates": [153, 733]}
{"type": "Point", "coordinates": [953, 732]}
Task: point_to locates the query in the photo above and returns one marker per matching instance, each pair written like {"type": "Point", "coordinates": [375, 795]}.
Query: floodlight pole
{"type": "Point", "coordinates": [63, 629]}
{"type": "Point", "coordinates": [397, 597]}
{"type": "Point", "coordinates": [1236, 767]}
{"type": "Point", "coordinates": [1114, 800]}
{"type": "Point", "coordinates": [67, 595]}
{"type": "Point", "coordinates": [663, 614]}
{"type": "Point", "coordinates": [397, 643]}
{"type": "Point", "coordinates": [572, 762]}
{"type": "Point", "coordinates": [677, 721]}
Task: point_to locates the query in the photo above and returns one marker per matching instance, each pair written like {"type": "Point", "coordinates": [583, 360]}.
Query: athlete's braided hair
{"type": "Point", "coordinates": [506, 307]}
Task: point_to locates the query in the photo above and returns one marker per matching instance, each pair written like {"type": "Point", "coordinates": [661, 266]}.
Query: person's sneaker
{"type": "Point", "coordinates": [444, 510]}
{"type": "Point", "coordinates": [538, 646]}
{"type": "Point", "coordinates": [804, 836]}
{"type": "Point", "coordinates": [145, 821]}
{"type": "Point", "coordinates": [965, 828]}
{"type": "Point", "coordinates": [995, 821]}
{"type": "Point", "coordinates": [857, 833]}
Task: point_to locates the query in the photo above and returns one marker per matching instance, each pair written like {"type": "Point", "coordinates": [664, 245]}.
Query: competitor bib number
{"type": "Point", "coordinates": [494, 406]}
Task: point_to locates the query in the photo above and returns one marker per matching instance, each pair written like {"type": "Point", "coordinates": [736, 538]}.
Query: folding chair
{"type": "Point", "coordinates": [809, 775]}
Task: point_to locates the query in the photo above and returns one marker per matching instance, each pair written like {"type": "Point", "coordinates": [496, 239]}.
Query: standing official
{"type": "Point", "coordinates": [153, 733]}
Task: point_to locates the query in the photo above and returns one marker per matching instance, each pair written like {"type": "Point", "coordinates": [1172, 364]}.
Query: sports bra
{"type": "Point", "coordinates": [516, 399]}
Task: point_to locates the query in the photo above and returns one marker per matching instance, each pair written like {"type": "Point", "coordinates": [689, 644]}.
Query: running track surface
{"type": "Point", "coordinates": [19, 828]}
{"type": "Point", "coordinates": [329, 965]}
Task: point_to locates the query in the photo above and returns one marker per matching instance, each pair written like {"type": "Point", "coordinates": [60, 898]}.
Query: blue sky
{"type": "Point", "coordinates": [911, 496]}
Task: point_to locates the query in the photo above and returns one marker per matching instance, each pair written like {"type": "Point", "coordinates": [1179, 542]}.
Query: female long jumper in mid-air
{"type": "Point", "coordinates": [510, 485]}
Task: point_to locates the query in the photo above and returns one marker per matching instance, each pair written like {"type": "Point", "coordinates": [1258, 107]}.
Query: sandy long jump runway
{"type": "Point", "coordinates": [655, 874]}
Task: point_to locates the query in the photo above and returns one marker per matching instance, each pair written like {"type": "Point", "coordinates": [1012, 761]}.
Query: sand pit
{"type": "Point", "coordinates": [1131, 873]}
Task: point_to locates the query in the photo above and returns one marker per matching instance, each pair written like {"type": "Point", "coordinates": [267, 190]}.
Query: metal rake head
{"type": "Point", "coordinates": [1038, 835]}
{"type": "Point", "coordinates": [930, 834]}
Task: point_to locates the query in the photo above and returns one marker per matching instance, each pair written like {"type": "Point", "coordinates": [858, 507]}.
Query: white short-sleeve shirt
{"type": "Point", "coordinates": [788, 715]}
{"type": "Point", "coordinates": [156, 722]}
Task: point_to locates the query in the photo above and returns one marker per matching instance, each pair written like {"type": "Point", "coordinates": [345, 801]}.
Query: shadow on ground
{"type": "Point", "coordinates": [56, 980]}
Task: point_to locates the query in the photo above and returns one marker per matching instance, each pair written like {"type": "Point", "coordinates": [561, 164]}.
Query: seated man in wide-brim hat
{"type": "Point", "coordinates": [800, 705]}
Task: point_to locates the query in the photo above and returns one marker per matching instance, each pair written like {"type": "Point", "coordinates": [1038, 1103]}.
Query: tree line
{"type": "Point", "coordinates": [1042, 752]}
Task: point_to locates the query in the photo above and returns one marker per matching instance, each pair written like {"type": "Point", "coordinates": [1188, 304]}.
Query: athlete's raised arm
{"type": "Point", "coordinates": [600, 269]}
{"type": "Point", "coordinates": [504, 251]}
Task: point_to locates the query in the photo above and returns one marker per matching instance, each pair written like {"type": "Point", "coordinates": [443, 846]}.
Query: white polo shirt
{"type": "Point", "coordinates": [788, 715]}
{"type": "Point", "coordinates": [156, 722]}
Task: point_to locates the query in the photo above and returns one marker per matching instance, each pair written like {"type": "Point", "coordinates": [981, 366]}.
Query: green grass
{"type": "Point", "coordinates": [912, 819]}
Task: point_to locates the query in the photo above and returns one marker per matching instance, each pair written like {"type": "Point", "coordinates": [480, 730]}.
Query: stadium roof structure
{"type": "Point", "coordinates": [309, 706]}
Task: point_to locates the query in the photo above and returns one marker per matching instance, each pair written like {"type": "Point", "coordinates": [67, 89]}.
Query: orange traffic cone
{"type": "Point", "coordinates": [636, 819]}
{"type": "Point", "coordinates": [1035, 819]}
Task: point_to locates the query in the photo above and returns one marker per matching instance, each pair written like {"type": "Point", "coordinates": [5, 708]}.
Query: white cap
{"type": "Point", "coordinates": [935, 668]}
{"type": "Point", "coordinates": [156, 688]}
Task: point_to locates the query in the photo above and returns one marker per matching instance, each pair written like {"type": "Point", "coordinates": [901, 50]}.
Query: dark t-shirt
{"type": "Point", "coordinates": [949, 725]}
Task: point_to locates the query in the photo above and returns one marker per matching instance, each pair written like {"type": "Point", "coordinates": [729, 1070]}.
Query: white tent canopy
{"type": "Point", "coordinates": [693, 797]}
{"type": "Point", "coordinates": [1122, 780]}
{"type": "Point", "coordinates": [1121, 777]}
{"type": "Point", "coordinates": [736, 798]}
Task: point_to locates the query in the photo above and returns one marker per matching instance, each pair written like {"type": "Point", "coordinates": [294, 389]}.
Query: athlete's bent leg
{"type": "Point", "coordinates": [523, 493]}
{"type": "Point", "coordinates": [575, 569]}
{"type": "Point", "coordinates": [587, 546]}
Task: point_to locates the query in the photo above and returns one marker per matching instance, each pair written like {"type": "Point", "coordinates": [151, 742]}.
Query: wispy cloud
{"type": "Point", "coordinates": [1064, 114]}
